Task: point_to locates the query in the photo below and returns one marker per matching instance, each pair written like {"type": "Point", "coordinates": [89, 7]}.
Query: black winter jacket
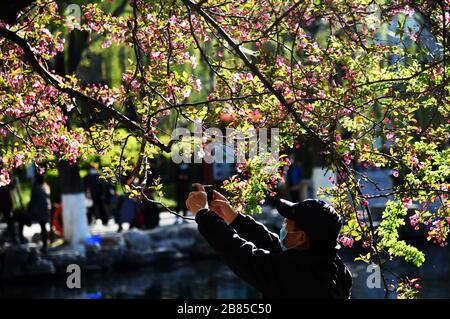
{"type": "Point", "coordinates": [254, 254]}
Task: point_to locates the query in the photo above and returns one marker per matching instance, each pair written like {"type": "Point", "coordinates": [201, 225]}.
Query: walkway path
{"type": "Point", "coordinates": [98, 228]}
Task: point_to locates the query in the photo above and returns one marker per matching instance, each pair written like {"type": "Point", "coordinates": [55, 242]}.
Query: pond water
{"type": "Point", "coordinates": [197, 279]}
{"type": "Point", "coordinates": [212, 279]}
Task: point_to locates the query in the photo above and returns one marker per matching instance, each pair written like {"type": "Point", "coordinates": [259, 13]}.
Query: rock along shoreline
{"type": "Point", "coordinates": [133, 248]}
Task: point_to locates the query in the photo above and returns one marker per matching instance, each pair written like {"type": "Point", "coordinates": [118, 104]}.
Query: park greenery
{"type": "Point", "coordinates": [367, 81]}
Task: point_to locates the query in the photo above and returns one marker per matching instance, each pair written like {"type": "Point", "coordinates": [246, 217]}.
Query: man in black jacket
{"type": "Point", "coordinates": [303, 263]}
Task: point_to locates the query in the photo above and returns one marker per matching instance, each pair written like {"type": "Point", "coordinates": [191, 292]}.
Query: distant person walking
{"type": "Point", "coordinates": [128, 210]}
{"type": "Point", "coordinates": [294, 178]}
{"type": "Point", "coordinates": [150, 214]}
{"type": "Point", "coordinates": [95, 191]}
{"type": "Point", "coordinates": [6, 208]}
{"type": "Point", "coordinates": [40, 206]}
{"type": "Point", "coordinates": [150, 210]}
{"type": "Point", "coordinates": [182, 185]}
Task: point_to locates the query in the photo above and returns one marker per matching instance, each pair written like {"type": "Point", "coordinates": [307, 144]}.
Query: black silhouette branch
{"type": "Point", "coordinates": [93, 103]}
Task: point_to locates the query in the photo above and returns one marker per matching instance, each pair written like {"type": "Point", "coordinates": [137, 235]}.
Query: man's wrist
{"type": "Point", "coordinates": [200, 212]}
{"type": "Point", "coordinates": [202, 208]}
{"type": "Point", "coordinates": [232, 217]}
{"type": "Point", "coordinates": [195, 212]}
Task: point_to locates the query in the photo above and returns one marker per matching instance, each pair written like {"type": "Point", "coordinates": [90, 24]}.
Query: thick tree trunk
{"type": "Point", "coordinates": [74, 214]}
{"type": "Point", "coordinates": [75, 224]}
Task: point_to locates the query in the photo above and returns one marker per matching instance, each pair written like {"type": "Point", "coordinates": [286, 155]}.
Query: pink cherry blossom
{"type": "Point", "coordinates": [347, 241]}
{"type": "Point", "coordinates": [4, 178]}
{"type": "Point", "coordinates": [347, 157]}
{"type": "Point", "coordinates": [197, 85]}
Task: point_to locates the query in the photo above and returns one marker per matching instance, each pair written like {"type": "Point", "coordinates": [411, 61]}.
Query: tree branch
{"type": "Point", "coordinates": [50, 79]}
{"type": "Point", "coordinates": [191, 5]}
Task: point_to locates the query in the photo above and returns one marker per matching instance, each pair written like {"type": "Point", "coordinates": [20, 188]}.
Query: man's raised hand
{"type": "Point", "coordinates": [197, 200]}
{"type": "Point", "coordinates": [221, 206]}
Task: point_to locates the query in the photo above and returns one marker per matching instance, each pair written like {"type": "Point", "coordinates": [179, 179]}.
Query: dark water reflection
{"type": "Point", "coordinates": [197, 279]}
{"type": "Point", "coordinates": [212, 279]}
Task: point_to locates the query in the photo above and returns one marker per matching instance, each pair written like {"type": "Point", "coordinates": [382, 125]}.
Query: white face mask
{"type": "Point", "coordinates": [283, 234]}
